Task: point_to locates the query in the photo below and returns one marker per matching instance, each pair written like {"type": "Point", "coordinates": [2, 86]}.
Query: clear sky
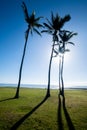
{"type": "Point", "coordinates": [35, 68]}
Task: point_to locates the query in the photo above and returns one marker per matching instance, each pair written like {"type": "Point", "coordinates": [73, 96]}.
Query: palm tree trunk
{"type": "Point", "coordinates": [59, 75]}
{"type": "Point", "coordinates": [62, 75]}
{"type": "Point", "coordinates": [61, 82]}
{"type": "Point", "coordinates": [49, 73]}
{"type": "Point", "coordinates": [21, 66]}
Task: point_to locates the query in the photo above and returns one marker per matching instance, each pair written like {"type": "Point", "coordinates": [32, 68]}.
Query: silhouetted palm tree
{"type": "Point", "coordinates": [53, 28]}
{"type": "Point", "coordinates": [33, 24]}
{"type": "Point", "coordinates": [65, 37]}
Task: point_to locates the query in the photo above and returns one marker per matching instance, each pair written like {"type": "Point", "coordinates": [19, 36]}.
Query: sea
{"type": "Point", "coordinates": [41, 86]}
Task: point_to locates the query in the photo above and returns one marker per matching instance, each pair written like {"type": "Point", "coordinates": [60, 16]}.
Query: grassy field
{"type": "Point", "coordinates": [32, 112]}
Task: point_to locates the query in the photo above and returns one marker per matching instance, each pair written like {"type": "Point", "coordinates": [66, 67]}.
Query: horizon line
{"type": "Point", "coordinates": [38, 84]}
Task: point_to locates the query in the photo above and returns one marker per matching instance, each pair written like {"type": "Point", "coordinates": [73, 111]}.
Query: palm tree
{"type": "Point", "coordinates": [65, 36]}
{"type": "Point", "coordinates": [33, 24]}
{"type": "Point", "coordinates": [53, 27]}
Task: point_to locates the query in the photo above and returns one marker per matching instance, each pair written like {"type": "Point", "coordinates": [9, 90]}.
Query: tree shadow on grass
{"type": "Point", "coordinates": [60, 122]}
{"type": "Point", "coordinates": [18, 123]}
{"type": "Point", "coordinates": [6, 99]}
{"type": "Point", "coordinates": [68, 119]}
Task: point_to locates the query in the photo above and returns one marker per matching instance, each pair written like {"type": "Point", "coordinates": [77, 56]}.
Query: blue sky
{"type": "Point", "coordinates": [35, 68]}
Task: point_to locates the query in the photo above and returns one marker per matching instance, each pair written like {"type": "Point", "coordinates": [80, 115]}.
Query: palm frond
{"type": "Point", "coordinates": [71, 43]}
{"type": "Point", "coordinates": [66, 18]}
{"type": "Point", "coordinates": [55, 38]}
{"type": "Point", "coordinates": [56, 22]}
{"type": "Point", "coordinates": [38, 25]}
{"type": "Point", "coordinates": [72, 34]}
{"type": "Point", "coordinates": [52, 17]}
{"type": "Point", "coordinates": [67, 50]}
{"type": "Point", "coordinates": [47, 31]}
{"type": "Point", "coordinates": [47, 26]}
{"type": "Point", "coordinates": [32, 18]}
{"type": "Point", "coordinates": [37, 19]}
{"type": "Point", "coordinates": [56, 51]}
{"type": "Point", "coordinates": [62, 31]}
{"type": "Point", "coordinates": [66, 35]}
{"type": "Point", "coordinates": [49, 22]}
{"type": "Point", "coordinates": [61, 36]}
{"type": "Point", "coordinates": [25, 11]}
{"type": "Point", "coordinates": [37, 31]}
{"type": "Point", "coordinates": [43, 31]}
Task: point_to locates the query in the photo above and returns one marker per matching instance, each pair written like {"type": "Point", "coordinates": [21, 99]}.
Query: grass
{"type": "Point", "coordinates": [22, 113]}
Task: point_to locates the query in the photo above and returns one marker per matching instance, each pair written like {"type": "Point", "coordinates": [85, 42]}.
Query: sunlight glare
{"type": "Point", "coordinates": [67, 59]}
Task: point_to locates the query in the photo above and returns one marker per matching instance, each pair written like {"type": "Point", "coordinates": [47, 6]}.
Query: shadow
{"type": "Point", "coordinates": [6, 99]}
{"type": "Point", "coordinates": [60, 122]}
{"type": "Point", "coordinates": [18, 123]}
{"type": "Point", "coordinates": [68, 119]}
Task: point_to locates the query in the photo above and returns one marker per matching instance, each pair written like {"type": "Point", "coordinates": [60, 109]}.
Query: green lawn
{"type": "Point", "coordinates": [30, 112]}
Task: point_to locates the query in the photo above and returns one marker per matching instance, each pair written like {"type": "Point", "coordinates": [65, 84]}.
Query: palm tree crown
{"type": "Point", "coordinates": [65, 37]}
{"type": "Point", "coordinates": [55, 25]}
{"type": "Point", "coordinates": [31, 20]}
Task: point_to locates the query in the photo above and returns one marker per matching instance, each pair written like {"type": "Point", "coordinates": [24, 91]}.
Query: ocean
{"type": "Point", "coordinates": [40, 86]}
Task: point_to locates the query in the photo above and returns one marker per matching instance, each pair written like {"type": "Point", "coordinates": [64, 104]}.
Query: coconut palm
{"type": "Point", "coordinates": [53, 27]}
{"type": "Point", "coordinates": [65, 36]}
{"type": "Point", "coordinates": [33, 24]}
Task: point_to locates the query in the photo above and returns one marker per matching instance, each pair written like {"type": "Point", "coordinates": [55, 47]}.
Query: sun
{"type": "Point", "coordinates": [67, 59]}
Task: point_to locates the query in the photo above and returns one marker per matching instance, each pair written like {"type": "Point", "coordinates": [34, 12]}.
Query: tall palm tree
{"type": "Point", "coordinates": [53, 27]}
{"type": "Point", "coordinates": [33, 24]}
{"type": "Point", "coordinates": [65, 36]}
